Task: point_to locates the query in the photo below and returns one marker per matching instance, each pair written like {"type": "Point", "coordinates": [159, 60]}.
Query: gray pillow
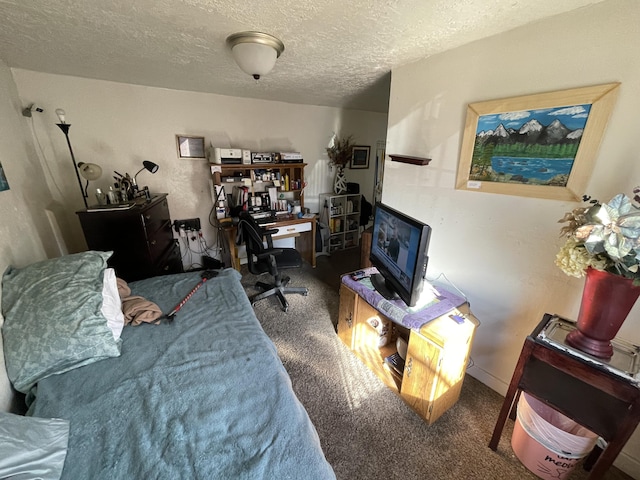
{"type": "Point", "coordinates": [53, 321]}
{"type": "Point", "coordinates": [32, 448]}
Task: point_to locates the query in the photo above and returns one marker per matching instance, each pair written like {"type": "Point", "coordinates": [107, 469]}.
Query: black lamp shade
{"type": "Point", "coordinates": [152, 167]}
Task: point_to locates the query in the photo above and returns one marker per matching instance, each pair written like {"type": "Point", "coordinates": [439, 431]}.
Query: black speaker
{"type": "Point", "coordinates": [211, 263]}
{"type": "Point", "coordinates": [353, 188]}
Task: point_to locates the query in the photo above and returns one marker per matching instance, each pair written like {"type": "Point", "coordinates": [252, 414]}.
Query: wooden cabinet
{"type": "Point", "coordinates": [288, 178]}
{"type": "Point", "coordinates": [342, 215]}
{"type": "Point", "coordinates": [436, 358]}
{"type": "Point", "coordinates": [140, 238]}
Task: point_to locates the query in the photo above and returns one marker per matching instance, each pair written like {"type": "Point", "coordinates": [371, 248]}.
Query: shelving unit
{"type": "Point", "coordinates": [412, 160]}
{"type": "Point", "coordinates": [343, 220]}
{"type": "Point", "coordinates": [259, 177]}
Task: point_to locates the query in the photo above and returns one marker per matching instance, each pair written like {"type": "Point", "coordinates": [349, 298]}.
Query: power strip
{"type": "Point", "coordinates": [190, 224]}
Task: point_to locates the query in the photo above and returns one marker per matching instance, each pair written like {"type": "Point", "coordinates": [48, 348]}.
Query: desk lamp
{"type": "Point", "coordinates": [147, 165]}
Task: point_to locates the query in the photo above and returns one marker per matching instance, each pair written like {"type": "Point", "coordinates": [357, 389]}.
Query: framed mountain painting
{"type": "Point", "coordinates": [542, 145]}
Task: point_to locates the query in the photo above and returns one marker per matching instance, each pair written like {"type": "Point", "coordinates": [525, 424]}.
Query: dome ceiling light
{"type": "Point", "coordinates": [255, 52]}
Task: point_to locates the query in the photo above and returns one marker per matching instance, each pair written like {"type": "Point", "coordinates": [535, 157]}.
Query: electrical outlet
{"type": "Point", "coordinates": [188, 224]}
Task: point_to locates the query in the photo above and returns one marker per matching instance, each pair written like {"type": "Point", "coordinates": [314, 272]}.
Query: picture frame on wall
{"type": "Point", "coordinates": [360, 156]}
{"type": "Point", "coordinates": [190, 146]}
{"type": "Point", "coordinates": [542, 145]}
{"type": "Point", "coordinates": [4, 184]}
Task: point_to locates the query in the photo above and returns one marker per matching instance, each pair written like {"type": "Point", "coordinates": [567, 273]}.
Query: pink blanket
{"type": "Point", "coordinates": [137, 309]}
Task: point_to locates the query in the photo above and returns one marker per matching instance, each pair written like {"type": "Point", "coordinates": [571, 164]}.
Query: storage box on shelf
{"type": "Point", "coordinates": [342, 214]}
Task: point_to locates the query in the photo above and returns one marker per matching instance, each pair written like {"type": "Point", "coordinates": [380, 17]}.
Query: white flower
{"type": "Point", "coordinates": [573, 259]}
{"type": "Point", "coordinates": [605, 236]}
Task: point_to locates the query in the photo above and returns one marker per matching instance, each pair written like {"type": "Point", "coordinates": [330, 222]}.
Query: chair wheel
{"type": "Point", "coordinates": [305, 294]}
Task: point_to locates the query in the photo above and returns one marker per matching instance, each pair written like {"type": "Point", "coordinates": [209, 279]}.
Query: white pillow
{"type": "Point", "coordinates": [111, 303]}
{"type": "Point", "coordinates": [32, 447]}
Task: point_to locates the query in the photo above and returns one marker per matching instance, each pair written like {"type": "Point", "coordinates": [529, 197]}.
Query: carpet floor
{"type": "Point", "coordinates": [366, 430]}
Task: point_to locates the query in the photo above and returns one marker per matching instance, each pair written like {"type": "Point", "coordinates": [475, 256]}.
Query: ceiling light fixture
{"type": "Point", "coordinates": [255, 52]}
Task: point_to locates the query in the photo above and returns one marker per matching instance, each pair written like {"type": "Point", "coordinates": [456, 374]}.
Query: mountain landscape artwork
{"type": "Point", "coordinates": [541, 145]}
{"type": "Point", "coordinates": [533, 147]}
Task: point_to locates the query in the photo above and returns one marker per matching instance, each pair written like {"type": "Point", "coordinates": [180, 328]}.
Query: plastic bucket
{"type": "Point", "coordinates": [548, 443]}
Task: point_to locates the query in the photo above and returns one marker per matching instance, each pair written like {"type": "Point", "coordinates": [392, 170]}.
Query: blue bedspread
{"type": "Point", "coordinates": [203, 397]}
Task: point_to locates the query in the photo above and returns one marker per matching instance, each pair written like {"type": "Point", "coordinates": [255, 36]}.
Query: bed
{"type": "Point", "coordinates": [204, 396]}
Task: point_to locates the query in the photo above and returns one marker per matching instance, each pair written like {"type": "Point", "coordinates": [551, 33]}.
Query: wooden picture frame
{"type": "Point", "coordinates": [360, 156]}
{"type": "Point", "coordinates": [542, 145]}
{"type": "Point", "coordinates": [190, 146]}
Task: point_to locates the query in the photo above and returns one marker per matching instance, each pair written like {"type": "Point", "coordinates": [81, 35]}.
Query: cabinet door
{"type": "Point", "coordinates": [421, 375]}
{"type": "Point", "coordinates": [370, 345]}
{"type": "Point", "coordinates": [346, 316]}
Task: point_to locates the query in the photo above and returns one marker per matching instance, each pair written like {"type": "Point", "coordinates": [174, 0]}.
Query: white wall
{"type": "Point", "coordinates": [118, 126]}
{"type": "Point", "coordinates": [500, 249]}
{"type": "Point", "coordinates": [25, 233]}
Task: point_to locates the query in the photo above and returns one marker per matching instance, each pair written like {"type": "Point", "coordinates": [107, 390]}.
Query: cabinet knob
{"type": "Point", "coordinates": [350, 320]}
{"type": "Point", "coordinates": [408, 367]}
{"type": "Point", "coordinates": [153, 242]}
{"type": "Point", "coordinates": [147, 216]}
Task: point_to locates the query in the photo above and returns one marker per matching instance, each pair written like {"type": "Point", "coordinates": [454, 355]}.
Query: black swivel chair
{"type": "Point", "coordinates": [263, 259]}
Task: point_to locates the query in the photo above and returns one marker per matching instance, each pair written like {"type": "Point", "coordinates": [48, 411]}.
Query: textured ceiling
{"type": "Point", "coordinates": [337, 53]}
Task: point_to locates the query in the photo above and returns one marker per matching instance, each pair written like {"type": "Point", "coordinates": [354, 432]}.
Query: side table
{"type": "Point", "coordinates": [602, 396]}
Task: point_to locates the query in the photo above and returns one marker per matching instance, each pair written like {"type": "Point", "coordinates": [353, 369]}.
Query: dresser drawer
{"type": "Point", "coordinates": [171, 262]}
{"type": "Point", "coordinates": [159, 241]}
{"type": "Point", "coordinates": [155, 217]}
{"type": "Point", "coordinates": [292, 229]}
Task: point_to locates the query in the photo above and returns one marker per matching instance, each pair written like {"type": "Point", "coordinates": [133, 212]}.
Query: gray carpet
{"type": "Point", "coordinates": [366, 430]}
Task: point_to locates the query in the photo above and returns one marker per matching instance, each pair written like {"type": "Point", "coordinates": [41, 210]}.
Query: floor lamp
{"type": "Point", "coordinates": [90, 171]}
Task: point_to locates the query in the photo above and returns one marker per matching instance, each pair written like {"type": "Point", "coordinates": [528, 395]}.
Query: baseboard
{"type": "Point", "coordinates": [489, 380]}
{"type": "Point", "coordinates": [628, 464]}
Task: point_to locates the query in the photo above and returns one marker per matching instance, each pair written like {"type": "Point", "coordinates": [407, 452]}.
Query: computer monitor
{"type": "Point", "coordinates": [399, 247]}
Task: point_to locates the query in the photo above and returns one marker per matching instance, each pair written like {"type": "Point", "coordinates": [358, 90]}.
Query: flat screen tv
{"type": "Point", "coordinates": [399, 247]}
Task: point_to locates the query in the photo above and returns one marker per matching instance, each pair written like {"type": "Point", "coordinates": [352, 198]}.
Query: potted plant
{"type": "Point", "coordinates": [603, 244]}
{"type": "Point", "coordinates": [340, 152]}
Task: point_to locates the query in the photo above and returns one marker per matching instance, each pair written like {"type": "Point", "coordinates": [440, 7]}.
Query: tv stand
{"type": "Point", "coordinates": [431, 378]}
{"type": "Point", "coordinates": [383, 287]}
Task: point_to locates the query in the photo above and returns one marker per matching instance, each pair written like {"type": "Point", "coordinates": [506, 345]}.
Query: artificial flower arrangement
{"type": "Point", "coordinates": [603, 236]}
{"type": "Point", "coordinates": [340, 151]}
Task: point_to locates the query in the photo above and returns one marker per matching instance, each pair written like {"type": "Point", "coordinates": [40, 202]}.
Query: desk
{"type": "Point", "coordinates": [603, 398]}
{"type": "Point", "coordinates": [289, 226]}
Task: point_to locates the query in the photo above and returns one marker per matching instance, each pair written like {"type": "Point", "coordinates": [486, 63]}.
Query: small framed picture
{"type": "Point", "coordinates": [190, 146]}
{"type": "Point", "coordinates": [360, 157]}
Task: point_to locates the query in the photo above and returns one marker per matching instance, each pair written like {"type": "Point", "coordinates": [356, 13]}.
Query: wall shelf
{"type": "Point", "coordinates": [411, 160]}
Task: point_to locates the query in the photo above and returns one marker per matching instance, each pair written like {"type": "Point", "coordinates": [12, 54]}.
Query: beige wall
{"type": "Point", "coordinates": [25, 232]}
{"type": "Point", "coordinates": [500, 249]}
{"type": "Point", "coordinates": [118, 126]}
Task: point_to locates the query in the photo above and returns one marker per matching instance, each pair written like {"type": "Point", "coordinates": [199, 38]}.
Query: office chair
{"type": "Point", "coordinates": [263, 259]}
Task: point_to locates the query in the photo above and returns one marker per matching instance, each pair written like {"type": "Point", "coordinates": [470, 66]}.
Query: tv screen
{"type": "Point", "coordinates": [399, 251]}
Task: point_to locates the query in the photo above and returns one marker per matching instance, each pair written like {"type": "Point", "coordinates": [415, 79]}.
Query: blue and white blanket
{"type": "Point", "coordinates": [203, 397]}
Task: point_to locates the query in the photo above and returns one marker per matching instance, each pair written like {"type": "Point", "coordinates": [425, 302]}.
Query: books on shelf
{"type": "Point", "coordinates": [395, 362]}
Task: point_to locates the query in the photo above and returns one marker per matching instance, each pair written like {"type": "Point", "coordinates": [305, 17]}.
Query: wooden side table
{"type": "Point", "coordinates": [602, 396]}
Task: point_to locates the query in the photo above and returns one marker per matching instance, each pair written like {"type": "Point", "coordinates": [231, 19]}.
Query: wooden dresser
{"type": "Point", "coordinates": [140, 237]}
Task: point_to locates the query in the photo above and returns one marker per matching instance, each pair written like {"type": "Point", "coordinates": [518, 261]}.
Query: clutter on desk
{"type": "Point", "coordinates": [241, 156]}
